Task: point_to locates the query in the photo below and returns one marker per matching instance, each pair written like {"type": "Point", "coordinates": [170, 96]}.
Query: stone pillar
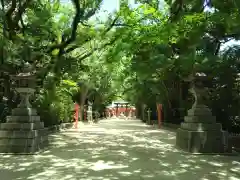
{"type": "Point", "coordinates": [143, 114]}
{"type": "Point", "coordinates": [122, 108]}
{"type": "Point", "coordinates": [149, 116]}
{"type": "Point", "coordinates": [110, 112]}
{"type": "Point", "coordinates": [133, 112]}
{"type": "Point", "coordinates": [199, 133]}
{"type": "Point", "coordinates": [95, 115]}
{"type": "Point", "coordinates": [126, 110]}
{"type": "Point", "coordinates": [89, 112]}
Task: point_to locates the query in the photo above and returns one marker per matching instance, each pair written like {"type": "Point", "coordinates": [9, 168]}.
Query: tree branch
{"type": "Point", "coordinates": [85, 55]}
{"type": "Point", "coordinates": [76, 20]}
{"type": "Point", "coordinates": [112, 24]}
{"type": "Point", "coordinates": [21, 10]}
{"type": "Point", "coordinates": [8, 17]}
{"type": "Point", "coordinates": [89, 39]}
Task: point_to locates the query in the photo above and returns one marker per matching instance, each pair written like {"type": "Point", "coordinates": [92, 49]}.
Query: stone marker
{"type": "Point", "coordinates": [200, 133]}
{"type": "Point", "coordinates": [149, 116]}
{"type": "Point", "coordinates": [23, 131]}
{"type": "Point", "coordinates": [97, 115]}
{"type": "Point", "coordinates": [89, 112]}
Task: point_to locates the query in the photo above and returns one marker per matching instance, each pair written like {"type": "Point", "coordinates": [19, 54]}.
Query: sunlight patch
{"type": "Point", "coordinates": [20, 169]}
{"type": "Point", "coordinates": [25, 164]}
{"type": "Point", "coordinates": [184, 165]}
{"type": "Point", "coordinates": [45, 173]}
{"type": "Point", "coordinates": [124, 173]}
{"type": "Point", "coordinates": [235, 169]}
{"type": "Point", "coordinates": [137, 171]}
{"type": "Point", "coordinates": [165, 164]}
{"type": "Point", "coordinates": [58, 164]}
{"type": "Point", "coordinates": [43, 156]}
{"type": "Point", "coordinates": [68, 176]}
{"type": "Point", "coordinates": [100, 165]}
{"type": "Point", "coordinates": [216, 164]}
{"type": "Point", "coordinates": [180, 171]}
{"type": "Point", "coordinates": [196, 167]}
{"type": "Point", "coordinates": [233, 178]}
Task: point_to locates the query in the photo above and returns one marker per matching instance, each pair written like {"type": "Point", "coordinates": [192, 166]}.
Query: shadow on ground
{"type": "Point", "coordinates": [117, 150]}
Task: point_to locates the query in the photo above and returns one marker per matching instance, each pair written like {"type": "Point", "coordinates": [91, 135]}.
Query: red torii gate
{"type": "Point", "coordinates": [115, 110]}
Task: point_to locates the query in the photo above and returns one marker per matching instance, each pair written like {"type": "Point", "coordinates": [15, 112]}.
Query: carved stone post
{"type": "Point", "coordinates": [96, 114]}
{"type": "Point", "coordinates": [126, 110]}
{"type": "Point", "coordinates": [134, 112]}
{"type": "Point", "coordinates": [143, 112]}
{"type": "Point", "coordinates": [89, 112]}
{"type": "Point", "coordinates": [149, 116]}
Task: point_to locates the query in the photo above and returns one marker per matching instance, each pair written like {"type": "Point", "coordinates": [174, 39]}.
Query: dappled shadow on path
{"type": "Point", "coordinates": [117, 149]}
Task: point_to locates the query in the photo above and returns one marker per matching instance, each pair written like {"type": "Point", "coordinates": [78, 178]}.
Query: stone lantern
{"type": "Point", "coordinates": [199, 133]}
{"type": "Point", "coordinates": [134, 112]}
{"type": "Point", "coordinates": [23, 132]}
{"type": "Point", "coordinates": [25, 84]}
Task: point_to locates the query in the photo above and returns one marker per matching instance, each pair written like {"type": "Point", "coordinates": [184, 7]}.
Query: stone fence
{"type": "Point", "coordinates": [170, 125]}
{"type": "Point", "coordinates": [56, 128]}
{"type": "Point", "coordinates": [167, 125]}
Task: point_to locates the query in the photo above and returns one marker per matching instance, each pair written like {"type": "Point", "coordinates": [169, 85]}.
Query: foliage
{"type": "Point", "coordinates": [54, 38]}
{"type": "Point", "coordinates": [165, 46]}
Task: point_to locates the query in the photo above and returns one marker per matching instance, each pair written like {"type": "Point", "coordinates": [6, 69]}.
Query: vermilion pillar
{"type": "Point", "coordinates": [76, 115]}
{"type": "Point", "coordinates": [117, 110]}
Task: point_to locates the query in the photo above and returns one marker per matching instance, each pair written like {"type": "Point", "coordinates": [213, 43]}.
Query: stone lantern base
{"type": "Point", "coordinates": [23, 132]}
{"type": "Point", "coordinates": [200, 133]}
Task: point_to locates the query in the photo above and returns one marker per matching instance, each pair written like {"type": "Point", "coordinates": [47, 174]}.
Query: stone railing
{"type": "Point", "coordinates": [170, 125]}
{"type": "Point", "coordinates": [154, 123]}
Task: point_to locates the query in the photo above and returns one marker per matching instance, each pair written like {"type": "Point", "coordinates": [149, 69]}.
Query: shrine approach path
{"type": "Point", "coordinates": [117, 149]}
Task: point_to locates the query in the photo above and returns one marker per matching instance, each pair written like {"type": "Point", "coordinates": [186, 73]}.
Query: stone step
{"type": "Point", "coordinates": [22, 126]}
{"type": "Point", "coordinates": [23, 119]}
{"type": "Point", "coordinates": [24, 112]}
{"type": "Point", "coordinates": [22, 149]}
{"type": "Point", "coordinates": [199, 111]}
{"type": "Point", "coordinates": [23, 141]}
{"type": "Point", "coordinates": [200, 119]}
{"type": "Point", "coordinates": [23, 133]}
{"type": "Point", "coordinates": [201, 126]}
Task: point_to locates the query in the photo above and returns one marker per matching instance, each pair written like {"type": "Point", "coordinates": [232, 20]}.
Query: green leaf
{"type": "Point", "coordinates": [70, 83]}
